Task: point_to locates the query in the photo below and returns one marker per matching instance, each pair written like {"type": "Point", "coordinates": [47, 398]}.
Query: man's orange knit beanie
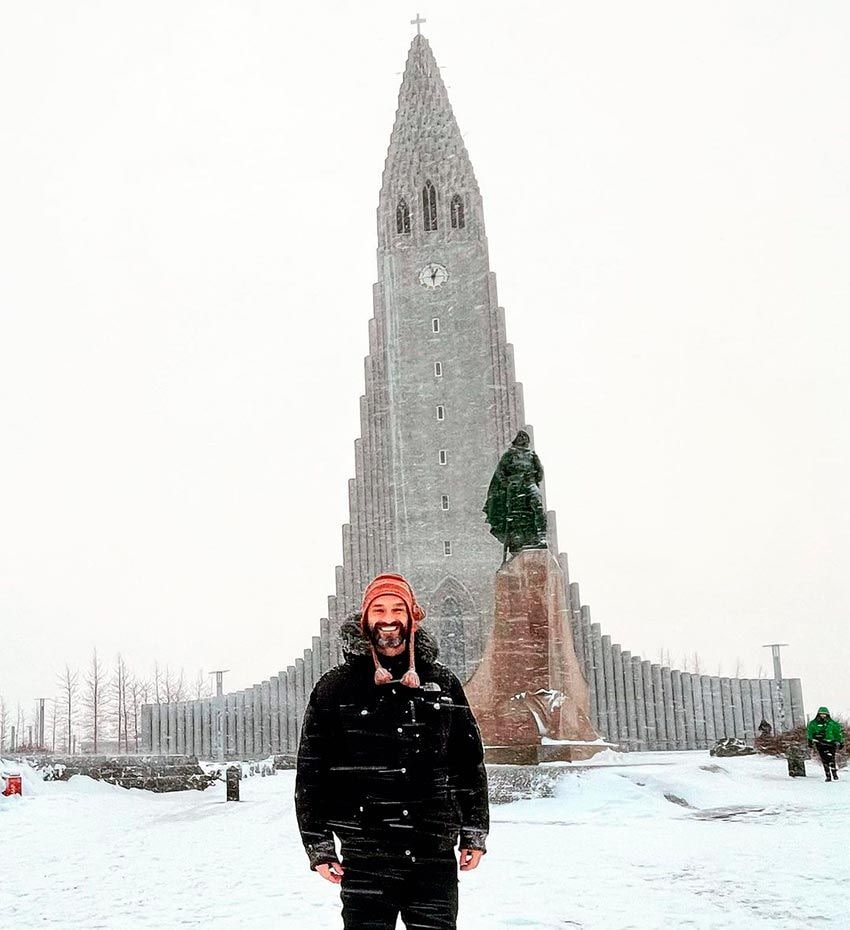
{"type": "Point", "coordinates": [397, 585]}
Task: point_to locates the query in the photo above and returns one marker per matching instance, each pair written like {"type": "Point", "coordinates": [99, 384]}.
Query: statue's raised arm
{"type": "Point", "coordinates": [514, 506]}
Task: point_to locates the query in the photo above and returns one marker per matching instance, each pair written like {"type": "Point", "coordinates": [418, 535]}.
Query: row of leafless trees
{"type": "Point", "coordinates": [97, 709]}
{"type": "Point", "coordinates": [692, 662]}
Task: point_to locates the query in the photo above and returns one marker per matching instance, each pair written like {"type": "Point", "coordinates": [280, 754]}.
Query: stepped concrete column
{"type": "Point", "coordinates": [308, 676]}
{"type": "Point", "coordinates": [206, 729]}
{"type": "Point", "coordinates": [717, 707]}
{"type": "Point", "coordinates": [641, 730]}
{"type": "Point", "coordinates": [257, 714]}
{"type": "Point", "coordinates": [690, 717]}
{"type": "Point", "coordinates": [180, 728]}
{"type": "Point", "coordinates": [146, 727]}
{"type": "Point", "coordinates": [669, 709]}
{"type": "Point", "coordinates": [282, 710]}
{"type": "Point", "coordinates": [265, 718]}
{"type": "Point", "coordinates": [708, 709]}
{"type": "Point", "coordinates": [737, 708]}
{"type": "Point", "coordinates": [589, 662]}
{"type": "Point", "coordinates": [325, 652]}
{"type": "Point", "coordinates": [316, 654]}
{"type": "Point", "coordinates": [530, 683]}
{"type": "Point", "coordinates": [797, 711]}
{"type": "Point", "coordinates": [281, 704]}
{"type": "Point", "coordinates": [678, 708]}
{"type": "Point", "coordinates": [251, 734]}
{"type": "Point", "coordinates": [747, 710]}
{"type": "Point", "coordinates": [610, 689]}
{"type": "Point", "coordinates": [726, 704]}
{"type": "Point", "coordinates": [699, 712]}
{"type": "Point", "coordinates": [197, 729]}
{"type": "Point", "coordinates": [620, 692]}
{"type": "Point", "coordinates": [601, 721]}
{"type": "Point", "coordinates": [660, 710]}
{"type": "Point", "coordinates": [190, 728]}
{"type": "Point", "coordinates": [786, 702]}
{"type": "Point", "coordinates": [274, 715]}
{"type": "Point", "coordinates": [300, 704]}
{"type": "Point", "coordinates": [649, 704]}
{"type": "Point", "coordinates": [240, 724]}
{"type": "Point", "coordinates": [755, 692]}
{"type": "Point", "coordinates": [767, 701]}
{"type": "Point", "coordinates": [229, 725]}
{"type": "Point", "coordinates": [156, 743]}
{"type": "Point", "coordinates": [164, 742]}
{"type": "Point", "coordinates": [171, 728]}
{"type": "Point", "coordinates": [291, 710]}
{"type": "Point", "coordinates": [629, 690]}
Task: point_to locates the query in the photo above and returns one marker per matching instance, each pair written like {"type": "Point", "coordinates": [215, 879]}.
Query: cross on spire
{"type": "Point", "coordinates": [418, 22]}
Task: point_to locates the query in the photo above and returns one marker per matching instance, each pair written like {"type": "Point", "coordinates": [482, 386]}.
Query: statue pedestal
{"type": "Point", "coordinates": [529, 694]}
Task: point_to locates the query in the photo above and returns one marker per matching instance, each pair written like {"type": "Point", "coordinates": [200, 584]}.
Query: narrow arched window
{"type": "Point", "coordinates": [458, 219]}
{"type": "Point", "coordinates": [429, 206]}
{"type": "Point", "coordinates": [402, 217]}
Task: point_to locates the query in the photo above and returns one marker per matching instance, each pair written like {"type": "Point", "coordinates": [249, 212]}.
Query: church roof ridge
{"type": "Point", "coordinates": [425, 138]}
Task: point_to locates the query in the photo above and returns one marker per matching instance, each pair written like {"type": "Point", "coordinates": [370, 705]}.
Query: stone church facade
{"type": "Point", "coordinates": [441, 404]}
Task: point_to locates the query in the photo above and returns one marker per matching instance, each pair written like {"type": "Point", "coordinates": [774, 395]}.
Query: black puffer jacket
{"type": "Point", "coordinates": [386, 767]}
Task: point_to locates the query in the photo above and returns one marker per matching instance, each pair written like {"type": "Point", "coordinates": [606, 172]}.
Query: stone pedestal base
{"type": "Point", "coordinates": [530, 684]}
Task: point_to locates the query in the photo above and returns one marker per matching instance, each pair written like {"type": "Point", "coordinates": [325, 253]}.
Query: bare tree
{"type": "Point", "coordinates": [68, 688]}
{"type": "Point", "coordinates": [202, 686]}
{"type": "Point", "coordinates": [175, 686]}
{"type": "Point", "coordinates": [157, 683]}
{"type": "Point", "coordinates": [138, 695]}
{"type": "Point", "coordinates": [54, 715]}
{"type": "Point", "coordinates": [20, 726]}
{"type": "Point", "coordinates": [739, 668]}
{"type": "Point", "coordinates": [697, 663]}
{"type": "Point", "coordinates": [95, 696]}
{"type": "Point", "coordinates": [121, 692]}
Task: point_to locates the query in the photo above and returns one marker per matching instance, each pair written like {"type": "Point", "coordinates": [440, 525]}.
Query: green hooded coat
{"type": "Point", "coordinates": [826, 731]}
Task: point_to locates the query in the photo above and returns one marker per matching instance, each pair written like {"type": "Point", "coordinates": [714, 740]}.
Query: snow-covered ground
{"type": "Point", "coordinates": [755, 849]}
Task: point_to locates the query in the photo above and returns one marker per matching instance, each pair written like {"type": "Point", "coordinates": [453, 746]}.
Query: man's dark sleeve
{"type": "Point", "coordinates": [310, 786]}
{"type": "Point", "coordinates": [468, 775]}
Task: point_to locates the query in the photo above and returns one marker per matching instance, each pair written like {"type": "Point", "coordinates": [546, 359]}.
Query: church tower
{"type": "Point", "coordinates": [441, 402]}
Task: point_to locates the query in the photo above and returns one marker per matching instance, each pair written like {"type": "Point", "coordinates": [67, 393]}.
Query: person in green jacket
{"type": "Point", "coordinates": [826, 735]}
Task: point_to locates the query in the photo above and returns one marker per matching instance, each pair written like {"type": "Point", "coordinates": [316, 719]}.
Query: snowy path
{"type": "Point", "coordinates": [754, 850]}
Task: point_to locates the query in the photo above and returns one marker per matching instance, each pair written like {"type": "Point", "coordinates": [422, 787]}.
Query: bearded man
{"type": "Point", "coordinates": [391, 761]}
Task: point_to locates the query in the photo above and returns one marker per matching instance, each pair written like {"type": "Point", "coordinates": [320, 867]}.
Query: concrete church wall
{"type": "Point", "coordinates": [637, 704]}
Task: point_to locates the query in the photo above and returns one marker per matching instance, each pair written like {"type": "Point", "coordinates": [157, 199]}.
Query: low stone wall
{"type": "Point", "coordinates": [151, 773]}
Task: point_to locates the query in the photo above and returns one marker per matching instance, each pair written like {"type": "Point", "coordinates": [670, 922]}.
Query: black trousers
{"type": "Point", "coordinates": [826, 751]}
{"type": "Point", "coordinates": [422, 888]}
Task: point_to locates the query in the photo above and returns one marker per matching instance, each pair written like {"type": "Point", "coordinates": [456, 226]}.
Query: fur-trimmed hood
{"type": "Point", "coordinates": [356, 643]}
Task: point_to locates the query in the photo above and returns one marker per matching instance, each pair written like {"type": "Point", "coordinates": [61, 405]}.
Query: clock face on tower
{"type": "Point", "coordinates": [433, 275]}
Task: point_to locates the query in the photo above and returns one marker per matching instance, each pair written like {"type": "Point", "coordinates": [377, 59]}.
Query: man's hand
{"type": "Point", "coordinates": [332, 871]}
{"type": "Point", "coordinates": [469, 859]}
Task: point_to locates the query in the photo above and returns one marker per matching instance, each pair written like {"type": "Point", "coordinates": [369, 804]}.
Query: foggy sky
{"type": "Point", "coordinates": [188, 246]}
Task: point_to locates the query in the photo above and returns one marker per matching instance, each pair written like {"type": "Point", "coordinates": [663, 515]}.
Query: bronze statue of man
{"type": "Point", "coordinates": [514, 506]}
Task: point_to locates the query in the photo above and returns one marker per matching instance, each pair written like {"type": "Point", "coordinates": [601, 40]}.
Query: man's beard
{"type": "Point", "coordinates": [389, 640]}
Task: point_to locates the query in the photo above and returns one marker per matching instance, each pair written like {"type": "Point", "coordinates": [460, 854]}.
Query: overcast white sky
{"type": "Point", "coordinates": [187, 231]}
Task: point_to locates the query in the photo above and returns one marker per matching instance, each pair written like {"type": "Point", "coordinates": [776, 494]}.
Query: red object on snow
{"type": "Point", "coordinates": [13, 785]}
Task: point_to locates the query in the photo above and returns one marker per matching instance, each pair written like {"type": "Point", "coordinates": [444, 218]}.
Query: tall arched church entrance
{"type": "Point", "coordinates": [453, 619]}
